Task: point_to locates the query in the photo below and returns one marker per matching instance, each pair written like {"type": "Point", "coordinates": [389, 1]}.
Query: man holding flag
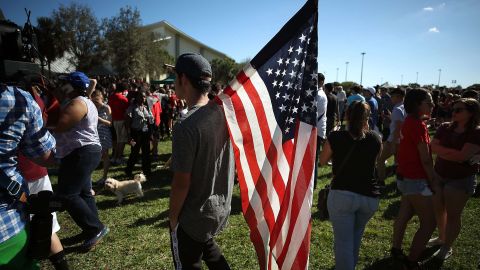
{"type": "Point", "coordinates": [271, 114]}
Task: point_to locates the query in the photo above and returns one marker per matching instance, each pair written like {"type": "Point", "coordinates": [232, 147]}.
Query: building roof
{"type": "Point", "coordinates": [168, 25]}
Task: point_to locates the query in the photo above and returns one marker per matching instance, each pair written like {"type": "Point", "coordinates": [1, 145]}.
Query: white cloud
{"type": "Point", "coordinates": [431, 9]}
{"type": "Point", "coordinates": [434, 30]}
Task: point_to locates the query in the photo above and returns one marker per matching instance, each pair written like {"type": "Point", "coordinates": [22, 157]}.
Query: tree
{"type": "Point", "coordinates": [80, 34]}
{"type": "Point", "coordinates": [48, 36]}
{"type": "Point", "coordinates": [133, 50]}
{"type": "Point", "coordinates": [224, 70]}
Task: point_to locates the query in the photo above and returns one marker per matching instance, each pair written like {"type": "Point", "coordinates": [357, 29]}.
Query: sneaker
{"type": "Point", "coordinates": [91, 243]}
{"type": "Point", "coordinates": [435, 242]}
{"type": "Point", "coordinates": [443, 253]}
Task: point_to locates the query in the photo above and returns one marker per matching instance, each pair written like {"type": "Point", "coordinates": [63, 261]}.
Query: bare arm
{"type": "Point", "coordinates": [107, 121]}
{"type": "Point", "coordinates": [178, 193]}
{"type": "Point", "coordinates": [326, 153]}
{"type": "Point", "coordinates": [71, 115]}
{"type": "Point", "coordinates": [91, 87]}
{"type": "Point", "coordinates": [426, 160]}
{"type": "Point", "coordinates": [467, 152]}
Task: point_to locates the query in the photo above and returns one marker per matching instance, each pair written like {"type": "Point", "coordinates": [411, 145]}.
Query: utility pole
{"type": "Point", "coordinates": [401, 79]}
{"type": "Point", "coordinates": [336, 78]}
{"type": "Point", "coordinates": [361, 72]}
{"type": "Point", "coordinates": [346, 70]}
{"type": "Point", "coordinates": [416, 81]}
{"type": "Point", "coordinates": [439, 74]}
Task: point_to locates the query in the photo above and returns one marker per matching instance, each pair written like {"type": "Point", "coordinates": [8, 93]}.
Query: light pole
{"type": "Point", "coordinates": [346, 70]}
{"type": "Point", "coordinates": [336, 78]}
{"type": "Point", "coordinates": [401, 79]}
{"type": "Point", "coordinates": [416, 81]}
{"type": "Point", "coordinates": [361, 72]}
{"type": "Point", "coordinates": [439, 74]}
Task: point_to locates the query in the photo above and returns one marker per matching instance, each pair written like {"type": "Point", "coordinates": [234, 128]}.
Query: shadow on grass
{"type": "Point", "coordinates": [392, 210]}
{"type": "Point", "coordinates": [163, 216]}
{"type": "Point", "coordinates": [394, 264]}
{"type": "Point", "coordinates": [390, 191]}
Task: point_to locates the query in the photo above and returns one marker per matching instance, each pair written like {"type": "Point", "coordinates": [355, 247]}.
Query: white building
{"type": "Point", "coordinates": [177, 42]}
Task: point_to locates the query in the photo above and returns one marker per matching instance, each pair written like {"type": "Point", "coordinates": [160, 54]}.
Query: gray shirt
{"type": "Point", "coordinates": [398, 114]}
{"type": "Point", "coordinates": [201, 147]}
{"type": "Point", "coordinates": [141, 117]}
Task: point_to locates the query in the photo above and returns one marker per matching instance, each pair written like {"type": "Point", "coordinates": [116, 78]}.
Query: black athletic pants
{"type": "Point", "coordinates": [188, 253]}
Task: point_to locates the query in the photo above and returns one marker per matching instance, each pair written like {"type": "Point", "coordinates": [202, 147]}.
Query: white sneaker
{"type": "Point", "coordinates": [435, 242]}
{"type": "Point", "coordinates": [443, 253]}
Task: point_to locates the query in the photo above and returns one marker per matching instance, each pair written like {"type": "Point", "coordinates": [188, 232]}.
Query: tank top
{"type": "Point", "coordinates": [82, 134]}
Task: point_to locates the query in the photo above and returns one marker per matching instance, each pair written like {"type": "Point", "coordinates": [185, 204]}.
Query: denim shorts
{"type": "Point", "coordinates": [466, 184]}
{"type": "Point", "coordinates": [409, 186]}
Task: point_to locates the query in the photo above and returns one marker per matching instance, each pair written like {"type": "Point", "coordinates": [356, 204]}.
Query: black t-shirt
{"type": "Point", "coordinates": [358, 173]}
{"type": "Point", "coordinates": [332, 107]}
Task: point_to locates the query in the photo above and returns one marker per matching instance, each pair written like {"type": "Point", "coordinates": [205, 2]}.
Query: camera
{"type": "Point", "coordinates": [41, 206]}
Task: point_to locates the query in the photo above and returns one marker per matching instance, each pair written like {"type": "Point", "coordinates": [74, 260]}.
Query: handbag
{"type": "Point", "coordinates": [323, 193]}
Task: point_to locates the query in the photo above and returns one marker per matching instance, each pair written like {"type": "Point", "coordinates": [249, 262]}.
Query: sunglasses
{"type": "Point", "coordinates": [458, 110]}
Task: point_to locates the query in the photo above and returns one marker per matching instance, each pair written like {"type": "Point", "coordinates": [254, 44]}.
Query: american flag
{"type": "Point", "coordinates": [271, 113]}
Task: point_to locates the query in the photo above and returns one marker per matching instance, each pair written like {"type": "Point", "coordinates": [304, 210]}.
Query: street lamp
{"type": "Point", "coordinates": [361, 72]}
{"type": "Point", "coordinates": [439, 74]}
{"type": "Point", "coordinates": [336, 78]}
{"type": "Point", "coordinates": [346, 70]}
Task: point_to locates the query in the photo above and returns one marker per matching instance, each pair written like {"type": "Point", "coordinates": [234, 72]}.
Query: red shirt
{"type": "Point", "coordinates": [156, 111]}
{"type": "Point", "coordinates": [119, 104]}
{"type": "Point", "coordinates": [173, 101]}
{"type": "Point", "coordinates": [414, 131]}
{"type": "Point", "coordinates": [30, 170]}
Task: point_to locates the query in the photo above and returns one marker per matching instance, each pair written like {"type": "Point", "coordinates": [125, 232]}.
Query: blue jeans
{"type": "Point", "coordinates": [349, 214]}
{"type": "Point", "coordinates": [74, 187]}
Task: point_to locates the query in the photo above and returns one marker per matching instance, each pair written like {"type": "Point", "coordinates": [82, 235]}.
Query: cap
{"type": "Point", "coordinates": [370, 89]}
{"type": "Point", "coordinates": [77, 79]}
{"type": "Point", "coordinates": [194, 65]}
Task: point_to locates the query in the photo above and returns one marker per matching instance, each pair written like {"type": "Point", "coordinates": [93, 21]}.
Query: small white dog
{"type": "Point", "coordinates": [122, 188]}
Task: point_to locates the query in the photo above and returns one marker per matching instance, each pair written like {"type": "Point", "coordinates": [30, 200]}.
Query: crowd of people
{"type": "Point", "coordinates": [78, 122]}
{"type": "Point", "coordinates": [435, 177]}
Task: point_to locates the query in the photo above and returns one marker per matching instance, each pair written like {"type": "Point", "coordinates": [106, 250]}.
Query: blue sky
{"type": "Point", "coordinates": [399, 37]}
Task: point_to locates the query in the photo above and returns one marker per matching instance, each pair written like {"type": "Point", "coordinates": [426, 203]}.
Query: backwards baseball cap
{"type": "Point", "coordinates": [370, 89]}
{"type": "Point", "coordinates": [194, 65]}
{"type": "Point", "coordinates": [77, 79]}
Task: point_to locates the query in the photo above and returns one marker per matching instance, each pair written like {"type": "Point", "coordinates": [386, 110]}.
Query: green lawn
{"type": "Point", "coordinates": [139, 237]}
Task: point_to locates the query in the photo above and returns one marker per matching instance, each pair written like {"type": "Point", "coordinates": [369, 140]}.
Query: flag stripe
{"type": "Point", "coordinates": [251, 205]}
{"type": "Point", "coordinates": [301, 203]}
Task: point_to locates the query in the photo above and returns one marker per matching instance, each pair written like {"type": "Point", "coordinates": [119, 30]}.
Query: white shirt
{"type": "Point", "coordinates": [341, 96]}
{"type": "Point", "coordinates": [321, 100]}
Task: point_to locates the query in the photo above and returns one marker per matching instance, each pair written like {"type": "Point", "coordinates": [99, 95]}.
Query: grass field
{"type": "Point", "coordinates": [139, 237]}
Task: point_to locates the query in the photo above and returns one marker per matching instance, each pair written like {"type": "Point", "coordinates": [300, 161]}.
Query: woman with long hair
{"type": "Point", "coordinates": [353, 198]}
{"type": "Point", "coordinates": [415, 177]}
{"type": "Point", "coordinates": [455, 143]}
